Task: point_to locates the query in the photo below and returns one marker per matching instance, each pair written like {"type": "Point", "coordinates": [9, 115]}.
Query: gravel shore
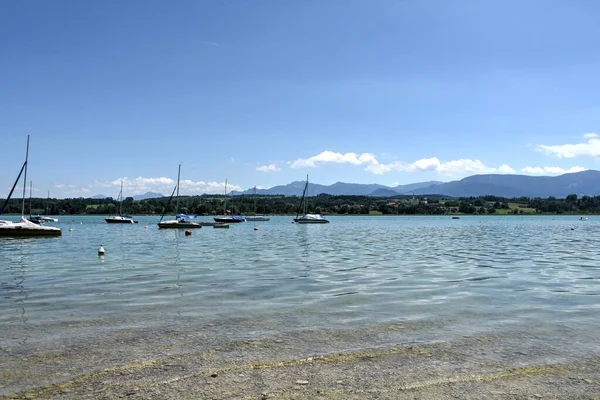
{"type": "Point", "coordinates": [308, 365]}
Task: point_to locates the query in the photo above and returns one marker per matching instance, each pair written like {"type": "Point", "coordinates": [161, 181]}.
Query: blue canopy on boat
{"type": "Point", "coordinates": [186, 216]}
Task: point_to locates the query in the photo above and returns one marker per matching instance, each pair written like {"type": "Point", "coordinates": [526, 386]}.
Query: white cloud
{"type": "Point", "coordinates": [506, 169]}
{"type": "Point", "coordinates": [591, 148]}
{"type": "Point", "coordinates": [551, 170]}
{"type": "Point", "coordinates": [450, 168]}
{"type": "Point", "coordinates": [140, 185]}
{"type": "Point", "coordinates": [337, 158]}
{"type": "Point", "coordinates": [269, 168]}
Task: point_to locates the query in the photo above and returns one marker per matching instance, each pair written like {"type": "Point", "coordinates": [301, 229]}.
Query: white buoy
{"type": "Point", "coordinates": [101, 250]}
{"type": "Point", "coordinates": [70, 229]}
{"type": "Point", "coordinates": [256, 228]}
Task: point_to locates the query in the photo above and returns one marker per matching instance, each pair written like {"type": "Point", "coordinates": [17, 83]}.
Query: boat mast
{"type": "Point", "coordinates": [225, 204]}
{"type": "Point", "coordinates": [177, 202]}
{"type": "Point", "coordinates": [121, 202]}
{"type": "Point", "coordinates": [30, 192]}
{"type": "Point", "coordinates": [306, 199]}
{"type": "Point", "coordinates": [302, 205]}
{"type": "Point", "coordinates": [255, 200]}
{"type": "Point", "coordinates": [25, 178]}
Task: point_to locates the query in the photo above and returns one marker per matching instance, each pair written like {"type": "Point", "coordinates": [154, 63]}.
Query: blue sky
{"type": "Point", "coordinates": [262, 93]}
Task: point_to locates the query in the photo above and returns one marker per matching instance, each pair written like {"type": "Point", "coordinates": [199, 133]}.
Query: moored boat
{"type": "Point", "coordinates": [308, 218]}
{"type": "Point", "coordinates": [120, 219]}
{"type": "Point", "coordinates": [228, 219]}
{"type": "Point", "coordinates": [231, 219]}
{"type": "Point", "coordinates": [181, 220]}
{"type": "Point", "coordinates": [24, 228]}
{"type": "Point", "coordinates": [256, 217]}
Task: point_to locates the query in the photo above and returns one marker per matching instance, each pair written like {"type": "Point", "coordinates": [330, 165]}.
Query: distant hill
{"type": "Point", "coordinates": [384, 192]}
{"type": "Point", "coordinates": [579, 183]}
{"type": "Point", "coordinates": [148, 195]}
{"type": "Point", "coordinates": [338, 188]}
{"type": "Point", "coordinates": [99, 196]}
{"type": "Point", "coordinates": [408, 189]}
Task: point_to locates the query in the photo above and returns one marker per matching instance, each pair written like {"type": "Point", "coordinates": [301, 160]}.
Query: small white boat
{"type": "Point", "coordinates": [583, 218]}
{"type": "Point", "coordinates": [181, 221]}
{"type": "Point", "coordinates": [24, 228]}
{"type": "Point", "coordinates": [311, 219]}
{"type": "Point", "coordinates": [120, 219]}
{"type": "Point", "coordinates": [40, 219]}
{"type": "Point", "coordinates": [308, 218]}
{"type": "Point", "coordinates": [178, 224]}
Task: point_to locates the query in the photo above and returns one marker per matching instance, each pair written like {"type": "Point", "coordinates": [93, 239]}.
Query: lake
{"type": "Point", "coordinates": [158, 292]}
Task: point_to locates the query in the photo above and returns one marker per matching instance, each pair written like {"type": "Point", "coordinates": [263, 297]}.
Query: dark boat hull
{"type": "Point", "coordinates": [178, 225]}
{"type": "Point", "coordinates": [310, 221]}
{"type": "Point", "coordinates": [226, 220]}
{"type": "Point", "coordinates": [120, 221]}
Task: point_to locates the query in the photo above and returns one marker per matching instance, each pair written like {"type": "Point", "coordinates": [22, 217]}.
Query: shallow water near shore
{"type": "Point", "coordinates": [358, 282]}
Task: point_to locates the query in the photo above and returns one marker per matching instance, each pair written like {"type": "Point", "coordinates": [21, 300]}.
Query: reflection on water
{"type": "Point", "coordinates": [470, 275]}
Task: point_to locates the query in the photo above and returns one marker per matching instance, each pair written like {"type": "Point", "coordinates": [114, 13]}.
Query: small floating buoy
{"type": "Point", "coordinates": [70, 229]}
{"type": "Point", "coordinates": [101, 250]}
{"type": "Point", "coordinates": [256, 228]}
{"type": "Point", "coordinates": [188, 232]}
{"type": "Point", "coordinates": [146, 227]}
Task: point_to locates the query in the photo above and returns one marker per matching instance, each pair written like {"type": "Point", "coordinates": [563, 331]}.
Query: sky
{"type": "Point", "coordinates": [263, 93]}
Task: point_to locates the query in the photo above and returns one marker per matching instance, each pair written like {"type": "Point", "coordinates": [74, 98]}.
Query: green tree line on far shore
{"type": "Point", "coordinates": [325, 204]}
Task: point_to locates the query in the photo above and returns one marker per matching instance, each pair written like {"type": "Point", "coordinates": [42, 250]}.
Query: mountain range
{"type": "Point", "coordinates": [340, 188]}
{"type": "Point", "coordinates": [580, 183]}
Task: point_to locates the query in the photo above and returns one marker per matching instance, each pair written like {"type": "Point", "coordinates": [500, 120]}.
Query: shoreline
{"type": "Point", "coordinates": [294, 365]}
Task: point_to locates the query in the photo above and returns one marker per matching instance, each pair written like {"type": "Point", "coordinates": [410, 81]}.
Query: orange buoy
{"type": "Point", "coordinates": [188, 232]}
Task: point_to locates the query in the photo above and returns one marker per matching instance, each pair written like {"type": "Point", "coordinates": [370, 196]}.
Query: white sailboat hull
{"type": "Point", "coordinates": [120, 220]}
{"type": "Point", "coordinates": [25, 228]}
{"type": "Point", "coordinates": [311, 219]}
{"type": "Point", "coordinates": [178, 224]}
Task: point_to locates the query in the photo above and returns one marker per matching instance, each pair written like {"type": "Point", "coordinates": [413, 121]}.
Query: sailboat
{"type": "Point", "coordinates": [24, 228]}
{"type": "Point", "coordinates": [46, 218]}
{"type": "Point", "coordinates": [36, 219]}
{"type": "Point", "coordinates": [40, 219]}
{"type": "Point", "coordinates": [228, 219]}
{"type": "Point", "coordinates": [120, 219]}
{"type": "Point", "coordinates": [181, 220]}
{"type": "Point", "coordinates": [308, 218]}
{"type": "Point", "coordinates": [257, 217]}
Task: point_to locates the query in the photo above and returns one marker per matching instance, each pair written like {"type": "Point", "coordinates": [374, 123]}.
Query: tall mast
{"type": "Point", "coordinates": [177, 202]}
{"type": "Point", "coordinates": [225, 204]}
{"type": "Point", "coordinates": [25, 177]}
{"type": "Point", "coordinates": [306, 199]}
{"type": "Point", "coordinates": [121, 202]}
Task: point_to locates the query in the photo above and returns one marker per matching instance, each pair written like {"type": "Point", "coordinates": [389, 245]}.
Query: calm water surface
{"type": "Point", "coordinates": [454, 277]}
